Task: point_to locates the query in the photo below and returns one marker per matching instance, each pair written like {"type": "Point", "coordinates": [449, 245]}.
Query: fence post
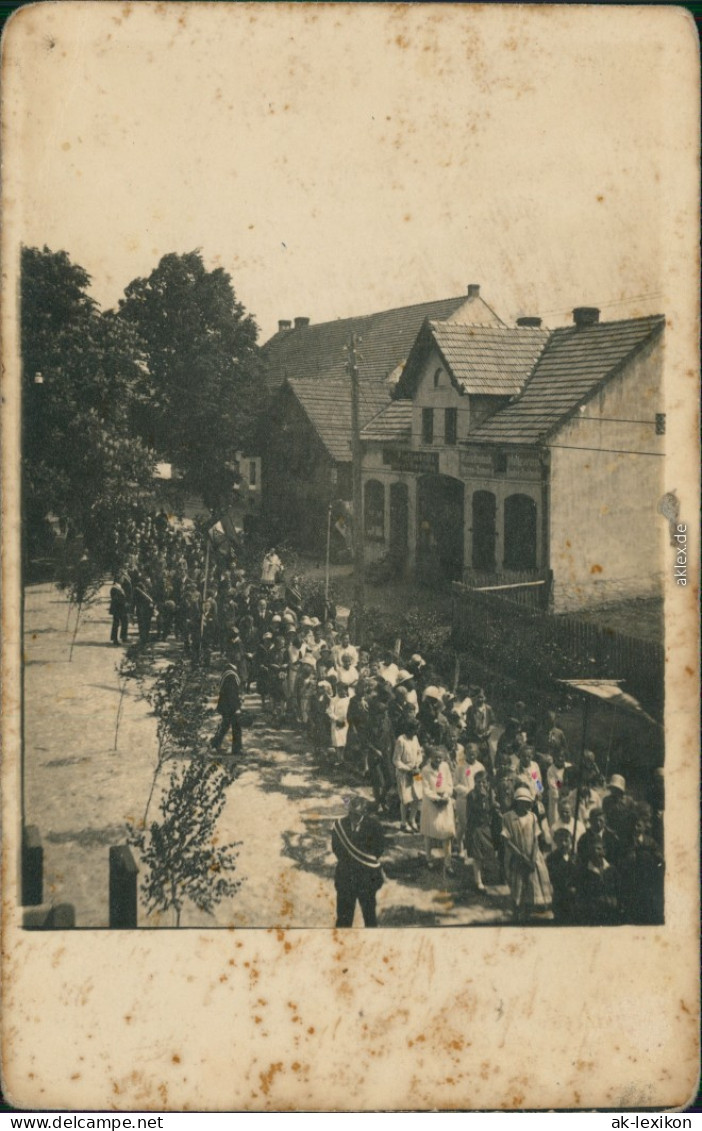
{"type": "Point", "coordinates": [123, 887]}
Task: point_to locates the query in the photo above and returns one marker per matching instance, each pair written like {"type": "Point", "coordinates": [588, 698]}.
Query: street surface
{"type": "Point", "coordinates": [80, 791]}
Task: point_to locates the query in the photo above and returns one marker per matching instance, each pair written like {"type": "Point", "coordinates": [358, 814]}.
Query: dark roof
{"type": "Point", "coordinates": [393, 423]}
{"type": "Point", "coordinates": [484, 360]}
{"type": "Point", "coordinates": [328, 408]}
{"type": "Point", "coordinates": [572, 367]}
{"type": "Point", "coordinates": [387, 338]}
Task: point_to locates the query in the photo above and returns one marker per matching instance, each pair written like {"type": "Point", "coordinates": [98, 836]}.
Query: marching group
{"type": "Point", "coordinates": [510, 802]}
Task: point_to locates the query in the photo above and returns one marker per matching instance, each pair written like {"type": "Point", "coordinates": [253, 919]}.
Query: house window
{"type": "Point", "coordinates": [500, 463]}
{"type": "Point", "coordinates": [374, 511]}
{"type": "Point", "coordinates": [427, 426]}
{"type": "Point", "coordinates": [252, 473]}
{"type": "Point", "coordinates": [437, 378]}
{"type": "Point", "coordinates": [450, 425]}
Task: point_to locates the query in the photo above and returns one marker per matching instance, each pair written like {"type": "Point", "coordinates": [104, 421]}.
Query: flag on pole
{"type": "Point", "coordinates": [217, 536]}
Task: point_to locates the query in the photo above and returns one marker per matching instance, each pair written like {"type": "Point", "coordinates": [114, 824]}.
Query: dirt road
{"type": "Point", "coordinates": [81, 792]}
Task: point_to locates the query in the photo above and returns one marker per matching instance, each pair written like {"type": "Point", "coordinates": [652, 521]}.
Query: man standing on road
{"type": "Point", "coordinates": [229, 707]}
{"type": "Point", "coordinates": [119, 611]}
{"type": "Point", "coordinates": [357, 843]}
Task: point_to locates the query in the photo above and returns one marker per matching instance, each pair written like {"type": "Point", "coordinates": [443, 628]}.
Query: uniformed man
{"type": "Point", "coordinates": [357, 843]}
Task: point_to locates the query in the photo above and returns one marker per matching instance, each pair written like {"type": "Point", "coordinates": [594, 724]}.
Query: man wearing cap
{"type": "Point", "coordinates": [357, 843]}
{"type": "Point", "coordinates": [619, 810]}
{"type": "Point", "coordinates": [229, 707]}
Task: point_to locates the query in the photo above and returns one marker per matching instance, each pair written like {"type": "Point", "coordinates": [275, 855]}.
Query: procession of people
{"type": "Point", "coordinates": [490, 804]}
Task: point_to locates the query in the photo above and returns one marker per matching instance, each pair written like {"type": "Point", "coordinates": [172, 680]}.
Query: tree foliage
{"type": "Point", "coordinates": [202, 392]}
{"type": "Point", "coordinates": [80, 377]}
{"type": "Point", "coordinates": [180, 851]}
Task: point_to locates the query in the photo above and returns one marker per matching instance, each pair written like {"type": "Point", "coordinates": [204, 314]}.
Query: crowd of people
{"type": "Point", "coordinates": [509, 801]}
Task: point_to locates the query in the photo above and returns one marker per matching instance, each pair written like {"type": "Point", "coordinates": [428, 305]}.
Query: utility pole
{"type": "Point", "coordinates": [358, 547]}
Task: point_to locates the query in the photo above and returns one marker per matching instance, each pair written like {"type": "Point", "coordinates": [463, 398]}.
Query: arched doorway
{"type": "Point", "coordinates": [520, 532]}
{"type": "Point", "coordinates": [440, 527]}
{"type": "Point", "coordinates": [399, 525]}
{"type": "Point", "coordinates": [484, 531]}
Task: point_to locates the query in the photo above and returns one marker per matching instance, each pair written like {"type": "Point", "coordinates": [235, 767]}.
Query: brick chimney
{"type": "Point", "coordinates": [300, 323]}
{"type": "Point", "coordinates": [585, 316]}
{"type": "Point", "coordinates": [283, 325]}
{"type": "Point", "coordinates": [473, 290]}
{"type": "Point", "coordinates": [529, 320]}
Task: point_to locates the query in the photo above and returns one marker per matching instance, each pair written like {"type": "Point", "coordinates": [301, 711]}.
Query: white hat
{"type": "Point", "coordinates": [617, 782]}
{"type": "Point", "coordinates": [403, 675]}
{"type": "Point", "coordinates": [433, 693]}
{"type": "Point", "coordinates": [523, 793]}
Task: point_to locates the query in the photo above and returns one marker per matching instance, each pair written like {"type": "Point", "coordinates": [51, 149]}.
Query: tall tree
{"type": "Point", "coordinates": [80, 377]}
{"type": "Point", "coordinates": [203, 390]}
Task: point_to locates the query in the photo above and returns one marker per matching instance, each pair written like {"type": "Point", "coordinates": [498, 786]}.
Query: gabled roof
{"type": "Point", "coordinates": [483, 360]}
{"type": "Point", "coordinates": [327, 405]}
{"type": "Point", "coordinates": [386, 339]}
{"type": "Point", "coordinates": [394, 422]}
{"type": "Point", "coordinates": [572, 367]}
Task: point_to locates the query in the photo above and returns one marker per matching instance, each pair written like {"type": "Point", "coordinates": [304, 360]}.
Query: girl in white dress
{"type": "Point", "coordinates": [407, 760]}
{"type": "Point", "coordinates": [437, 805]}
{"type": "Point", "coordinates": [338, 711]}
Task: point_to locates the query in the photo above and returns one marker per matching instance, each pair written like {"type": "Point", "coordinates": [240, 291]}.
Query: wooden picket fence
{"type": "Point", "coordinates": [533, 644]}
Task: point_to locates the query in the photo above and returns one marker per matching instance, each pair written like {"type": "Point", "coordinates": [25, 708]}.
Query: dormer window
{"type": "Point", "coordinates": [437, 378]}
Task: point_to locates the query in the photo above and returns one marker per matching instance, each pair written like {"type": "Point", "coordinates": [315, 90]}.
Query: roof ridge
{"type": "Point", "coordinates": [615, 322]}
{"type": "Point", "coordinates": [363, 317]}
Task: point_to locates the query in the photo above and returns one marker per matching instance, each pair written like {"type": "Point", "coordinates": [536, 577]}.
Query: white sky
{"type": "Point", "coordinates": [340, 159]}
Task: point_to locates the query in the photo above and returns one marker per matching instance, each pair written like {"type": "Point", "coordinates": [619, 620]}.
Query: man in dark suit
{"type": "Point", "coordinates": [357, 843]}
{"type": "Point", "coordinates": [229, 707]}
{"type": "Point", "coordinates": [119, 611]}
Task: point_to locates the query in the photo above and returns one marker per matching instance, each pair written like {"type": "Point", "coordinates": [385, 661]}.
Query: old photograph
{"type": "Point", "coordinates": [343, 350]}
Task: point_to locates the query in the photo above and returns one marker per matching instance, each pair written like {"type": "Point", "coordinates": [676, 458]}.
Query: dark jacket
{"type": "Point", "coordinates": [229, 701]}
{"type": "Point", "coordinates": [358, 852]}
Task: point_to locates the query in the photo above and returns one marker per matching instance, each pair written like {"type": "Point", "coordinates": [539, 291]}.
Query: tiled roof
{"type": "Point", "coordinates": [483, 360]}
{"type": "Point", "coordinates": [328, 407]}
{"type": "Point", "coordinates": [575, 362]}
{"type": "Point", "coordinates": [486, 359]}
{"type": "Point", "coordinates": [318, 350]}
{"type": "Point", "coordinates": [393, 423]}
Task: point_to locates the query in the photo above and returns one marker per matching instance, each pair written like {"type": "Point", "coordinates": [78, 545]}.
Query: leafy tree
{"type": "Point", "coordinates": [202, 393]}
{"type": "Point", "coordinates": [81, 372]}
{"type": "Point", "coordinates": [178, 697]}
{"type": "Point", "coordinates": [180, 851]}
